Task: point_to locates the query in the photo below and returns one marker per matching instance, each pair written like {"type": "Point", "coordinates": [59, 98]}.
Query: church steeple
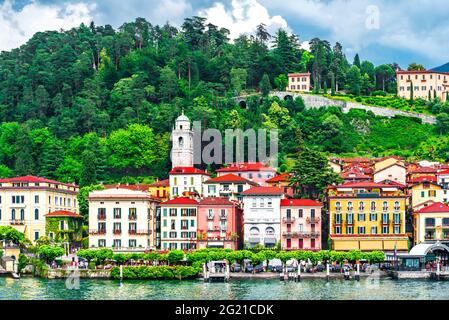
{"type": "Point", "coordinates": [182, 143]}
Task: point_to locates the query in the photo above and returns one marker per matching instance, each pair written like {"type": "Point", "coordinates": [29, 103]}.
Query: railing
{"type": "Point", "coordinates": [117, 232]}
{"type": "Point", "coordinates": [17, 222]}
{"type": "Point", "coordinates": [300, 234]}
{"type": "Point", "coordinates": [313, 220]}
{"type": "Point", "coordinates": [97, 232]}
{"type": "Point", "coordinates": [132, 217]}
{"type": "Point", "coordinates": [102, 217]}
{"type": "Point", "coordinates": [210, 217]}
{"type": "Point", "coordinates": [223, 217]}
{"type": "Point", "coordinates": [139, 232]}
{"type": "Point", "coordinates": [288, 219]}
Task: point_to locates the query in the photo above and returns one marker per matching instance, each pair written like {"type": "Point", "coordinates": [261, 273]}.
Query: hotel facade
{"type": "Point", "coordinates": [24, 202]}
{"type": "Point", "coordinates": [424, 83]}
{"type": "Point", "coordinates": [367, 216]}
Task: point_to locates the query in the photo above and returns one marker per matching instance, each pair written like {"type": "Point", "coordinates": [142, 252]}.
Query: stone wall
{"type": "Point", "coordinates": [316, 101]}
{"type": "Point", "coordinates": [83, 274]}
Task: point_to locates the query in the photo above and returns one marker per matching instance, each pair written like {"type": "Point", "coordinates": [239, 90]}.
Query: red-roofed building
{"type": "Point", "coordinates": [354, 175]}
{"type": "Point", "coordinates": [25, 201]}
{"type": "Point", "coordinates": [423, 82]}
{"type": "Point", "coordinates": [229, 186]}
{"type": "Point", "coordinates": [253, 171]}
{"type": "Point", "coordinates": [282, 181]}
{"type": "Point", "coordinates": [299, 82]}
{"type": "Point", "coordinates": [187, 181]}
{"type": "Point", "coordinates": [220, 224]}
{"type": "Point", "coordinates": [414, 172]}
{"type": "Point", "coordinates": [160, 189]}
{"type": "Point", "coordinates": [262, 216]}
{"type": "Point", "coordinates": [443, 178]}
{"type": "Point", "coordinates": [431, 223]}
{"type": "Point", "coordinates": [179, 224]}
{"type": "Point", "coordinates": [66, 227]}
{"type": "Point", "coordinates": [300, 224]}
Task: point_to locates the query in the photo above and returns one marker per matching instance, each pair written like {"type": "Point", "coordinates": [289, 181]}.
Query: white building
{"type": "Point", "coordinates": [24, 202]}
{"type": "Point", "coordinates": [182, 143]}
{"type": "Point", "coordinates": [229, 186]}
{"type": "Point", "coordinates": [122, 219]}
{"type": "Point", "coordinates": [187, 181]}
{"type": "Point", "coordinates": [262, 216]}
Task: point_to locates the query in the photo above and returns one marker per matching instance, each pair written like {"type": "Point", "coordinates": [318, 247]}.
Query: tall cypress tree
{"type": "Point", "coordinates": [25, 164]}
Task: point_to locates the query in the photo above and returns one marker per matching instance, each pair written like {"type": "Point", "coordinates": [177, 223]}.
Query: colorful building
{"type": "Point", "coordinates": [422, 192]}
{"type": "Point", "coordinates": [282, 181]}
{"type": "Point", "coordinates": [24, 202]}
{"type": "Point", "coordinates": [262, 216]}
{"type": "Point", "coordinates": [229, 186]}
{"type": "Point", "coordinates": [300, 224]}
{"type": "Point", "coordinates": [395, 171]}
{"type": "Point", "coordinates": [299, 82]}
{"type": "Point", "coordinates": [187, 181]}
{"type": "Point", "coordinates": [179, 224]}
{"type": "Point", "coordinates": [123, 220]}
{"type": "Point", "coordinates": [431, 223]}
{"type": "Point", "coordinates": [425, 83]}
{"type": "Point", "coordinates": [367, 216]}
{"type": "Point", "coordinates": [66, 227]}
{"type": "Point", "coordinates": [160, 189]}
{"type": "Point", "coordinates": [220, 224]}
{"type": "Point", "coordinates": [253, 171]}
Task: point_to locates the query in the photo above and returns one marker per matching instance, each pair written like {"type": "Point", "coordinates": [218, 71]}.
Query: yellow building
{"type": "Point", "coordinates": [24, 202]}
{"type": "Point", "coordinates": [423, 192]}
{"type": "Point", "coordinates": [431, 223]}
{"type": "Point", "coordinates": [367, 216]}
{"type": "Point", "coordinates": [160, 190]}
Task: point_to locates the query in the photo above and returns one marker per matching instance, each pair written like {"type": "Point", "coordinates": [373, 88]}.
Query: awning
{"type": "Point", "coordinates": [21, 228]}
{"type": "Point", "coordinates": [423, 249]}
{"type": "Point", "coordinates": [270, 240]}
{"type": "Point", "coordinates": [254, 240]}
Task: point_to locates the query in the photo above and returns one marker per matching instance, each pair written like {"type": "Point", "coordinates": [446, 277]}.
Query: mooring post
{"type": "Point", "coordinates": [121, 272]}
{"type": "Point", "coordinates": [327, 271]}
{"type": "Point", "coordinates": [299, 271]}
{"type": "Point", "coordinates": [357, 275]}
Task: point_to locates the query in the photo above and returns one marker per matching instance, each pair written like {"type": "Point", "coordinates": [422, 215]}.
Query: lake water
{"type": "Point", "coordinates": [236, 289]}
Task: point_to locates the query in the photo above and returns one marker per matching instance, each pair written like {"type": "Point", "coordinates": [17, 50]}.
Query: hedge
{"type": "Point", "coordinates": [156, 272]}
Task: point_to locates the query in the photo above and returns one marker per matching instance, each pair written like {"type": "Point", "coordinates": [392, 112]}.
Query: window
{"type": "Point", "coordinates": [117, 213]}
{"type": "Point", "coordinates": [350, 207]}
{"type": "Point", "coordinates": [101, 243]}
{"type": "Point", "coordinates": [362, 217]}
{"type": "Point", "coordinates": [61, 225]}
{"type": "Point", "coordinates": [385, 206]}
{"type": "Point", "coordinates": [173, 212]}
{"type": "Point", "coordinates": [338, 218]}
{"type": "Point", "coordinates": [184, 224]}
{"type": "Point", "coordinates": [373, 230]}
{"type": "Point", "coordinates": [445, 221]}
{"type": "Point", "coordinates": [165, 222]}
{"type": "Point", "coordinates": [373, 206]}
{"type": "Point", "coordinates": [261, 202]}
{"type": "Point", "coordinates": [22, 214]}
{"type": "Point", "coordinates": [132, 213]}
{"type": "Point", "coordinates": [337, 206]}
{"type": "Point", "coordinates": [396, 218]}
{"type": "Point", "coordinates": [300, 213]}
{"type": "Point", "coordinates": [192, 223]}
{"type": "Point", "coordinates": [423, 194]}
{"type": "Point", "coordinates": [396, 206]}
{"type": "Point", "coordinates": [13, 214]}
{"type": "Point", "coordinates": [211, 189]}
{"type": "Point", "coordinates": [36, 214]}
{"type": "Point", "coordinates": [350, 218]}
{"type": "Point", "coordinates": [175, 191]}
{"type": "Point", "coordinates": [269, 231]}
{"type": "Point", "coordinates": [117, 227]}
{"type": "Point", "coordinates": [210, 214]}
{"type": "Point", "coordinates": [430, 222]}
{"type": "Point", "coordinates": [312, 243]}
{"type": "Point", "coordinates": [36, 199]}
{"type": "Point", "coordinates": [373, 217]}
{"type": "Point", "coordinates": [36, 235]}
{"type": "Point", "coordinates": [132, 243]}
{"type": "Point", "coordinates": [397, 229]}
{"type": "Point", "coordinates": [361, 206]}
{"type": "Point", "coordinates": [254, 203]}
{"type": "Point", "coordinates": [101, 213]}
{"type": "Point", "coordinates": [350, 230]}
{"type": "Point", "coordinates": [361, 230]}
{"type": "Point", "coordinates": [300, 227]}
{"type": "Point", "coordinates": [270, 203]}
{"type": "Point", "coordinates": [385, 218]}
{"type": "Point", "coordinates": [384, 229]}
{"type": "Point", "coordinates": [254, 231]}
{"type": "Point", "coordinates": [337, 230]}
{"type": "Point", "coordinates": [132, 227]}
{"type": "Point", "coordinates": [117, 243]}
{"type": "Point", "coordinates": [312, 213]}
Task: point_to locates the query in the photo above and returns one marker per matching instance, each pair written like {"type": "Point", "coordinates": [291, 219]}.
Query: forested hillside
{"type": "Point", "coordinates": [96, 104]}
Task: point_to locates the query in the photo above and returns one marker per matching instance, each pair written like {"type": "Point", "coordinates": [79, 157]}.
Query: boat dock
{"type": "Point", "coordinates": [216, 271]}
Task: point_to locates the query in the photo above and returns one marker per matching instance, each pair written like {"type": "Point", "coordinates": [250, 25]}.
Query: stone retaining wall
{"type": "Point", "coordinates": [316, 101]}
{"type": "Point", "coordinates": [83, 274]}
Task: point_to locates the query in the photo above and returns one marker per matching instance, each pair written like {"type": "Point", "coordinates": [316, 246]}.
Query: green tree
{"type": "Point", "coordinates": [169, 87]}
{"type": "Point", "coordinates": [354, 80]}
{"type": "Point", "coordinates": [281, 82]}
{"type": "Point", "coordinates": [265, 85]}
{"type": "Point", "coordinates": [238, 79]}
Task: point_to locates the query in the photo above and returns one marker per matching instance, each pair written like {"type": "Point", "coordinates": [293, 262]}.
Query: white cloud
{"type": "Point", "coordinates": [242, 17]}
{"type": "Point", "coordinates": [417, 26]}
{"type": "Point", "coordinates": [17, 27]}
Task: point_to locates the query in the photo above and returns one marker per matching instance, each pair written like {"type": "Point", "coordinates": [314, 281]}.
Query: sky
{"type": "Point", "coordinates": [382, 31]}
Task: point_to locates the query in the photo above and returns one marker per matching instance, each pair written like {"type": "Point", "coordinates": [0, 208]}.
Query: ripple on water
{"type": "Point", "coordinates": [237, 289]}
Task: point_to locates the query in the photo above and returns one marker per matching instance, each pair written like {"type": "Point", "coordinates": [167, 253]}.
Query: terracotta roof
{"type": "Point", "coordinates": [352, 160]}
{"type": "Point", "coordinates": [300, 203]}
{"type": "Point", "coordinates": [161, 183]}
{"type": "Point", "coordinates": [181, 201]}
{"type": "Point", "coordinates": [134, 187]}
{"type": "Point", "coordinates": [388, 157]}
{"type": "Point", "coordinates": [423, 179]}
{"type": "Point", "coordinates": [443, 172]}
{"type": "Point", "coordinates": [419, 72]}
{"type": "Point", "coordinates": [216, 201]}
{"type": "Point", "coordinates": [436, 207]}
{"type": "Point", "coordinates": [63, 213]}
{"type": "Point", "coordinates": [299, 74]}
{"type": "Point", "coordinates": [424, 170]}
{"type": "Point", "coordinates": [391, 165]}
{"type": "Point", "coordinates": [280, 178]}
{"type": "Point", "coordinates": [34, 179]}
{"type": "Point", "coordinates": [364, 184]}
{"type": "Point", "coordinates": [230, 178]}
{"type": "Point", "coordinates": [187, 170]}
{"type": "Point", "coordinates": [393, 183]}
{"type": "Point", "coordinates": [263, 191]}
{"type": "Point", "coordinates": [353, 174]}
{"type": "Point", "coordinates": [247, 166]}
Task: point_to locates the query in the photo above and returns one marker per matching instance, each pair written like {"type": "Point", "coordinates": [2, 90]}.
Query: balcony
{"type": "Point", "coordinates": [349, 223]}
{"type": "Point", "coordinates": [17, 222]}
{"type": "Point", "coordinates": [139, 232]}
{"type": "Point", "coordinates": [101, 217]}
{"type": "Point", "coordinates": [288, 219]}
{"type": "Point", "coordinates": [312, 235]}
{"type": "Point", "coordinates": [117, 232]}
{"type": "Point", "coordinates": [210, 217]}
{"type": "Point", "coordinates": [430, 226]}
{"type": "Point", "coordinates": [313, 220]}
{"type": "Point", "coordinates": [397, 222]}
{"type": "Point", "coordinates": [223, 217]}
{"type": "Point", "coordinates": [290, 234]}
{"type": "Point", "coordinates": [97, 232]}
{"type": "Point", "coordinates": [132, 217]}
{"type": "Point", "coordinates": [225, 191]}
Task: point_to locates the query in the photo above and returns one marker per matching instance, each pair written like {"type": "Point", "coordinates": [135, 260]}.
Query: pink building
{"type": "Point", "coordinates": [300, 224]}
{"type": "Point", "coordinates": [219, 224]}
{"type": "Point", "coordinates": [253, 171]}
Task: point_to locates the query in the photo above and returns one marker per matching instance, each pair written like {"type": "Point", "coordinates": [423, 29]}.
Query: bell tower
{"type": "Point", "coordinates": [182, 143]}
